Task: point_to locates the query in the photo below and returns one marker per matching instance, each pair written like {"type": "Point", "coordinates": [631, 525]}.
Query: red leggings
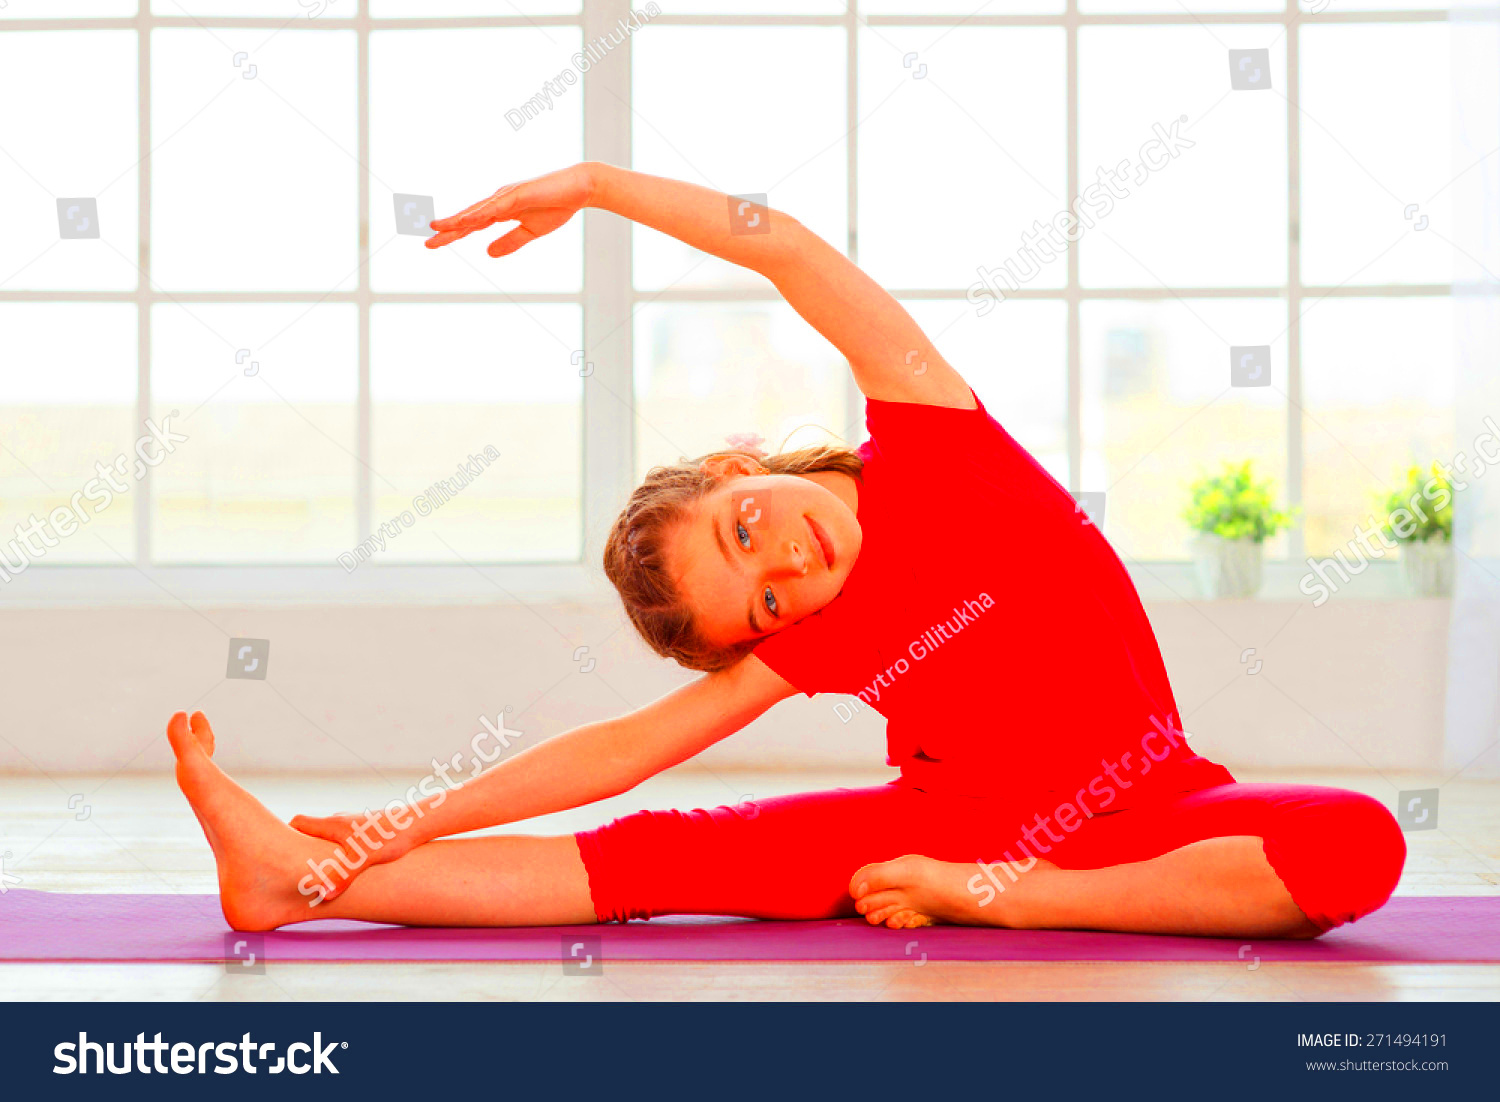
{"type": "Point", "coordinates": [1339, 853]}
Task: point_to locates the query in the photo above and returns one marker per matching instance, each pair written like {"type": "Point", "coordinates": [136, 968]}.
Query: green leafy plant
{"type": "Point", "coordinates": [1422, 511]}
{"type": "Point", "coordinates": [1234, 506]}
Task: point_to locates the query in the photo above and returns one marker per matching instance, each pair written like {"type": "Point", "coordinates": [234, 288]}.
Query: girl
{"type": "Point", "coordinates": [1045, 778]}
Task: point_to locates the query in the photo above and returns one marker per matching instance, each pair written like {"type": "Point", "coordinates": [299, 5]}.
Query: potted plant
{"type": "Point", "coordinates": [1420, 518]}
{"type": "Point", "coordinates": [1234, 516]}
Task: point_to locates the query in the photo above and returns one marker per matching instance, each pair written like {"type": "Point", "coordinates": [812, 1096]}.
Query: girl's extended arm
{"type": "Point", "coordinates": [588, 763]}
{"type": "Point", "coordinates": [891, 357]}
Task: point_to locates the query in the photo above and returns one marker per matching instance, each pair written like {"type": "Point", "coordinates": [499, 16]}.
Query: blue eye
{"type": "Point", "coordinates": [742, 534]}
{"type": "Point", "coordinates": [770, 601]}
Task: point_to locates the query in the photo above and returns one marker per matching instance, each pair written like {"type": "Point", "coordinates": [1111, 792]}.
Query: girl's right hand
{"type": "Point", "coordinates": [540, 204]}
{"type": "Point", "coordinates": [363, 840]}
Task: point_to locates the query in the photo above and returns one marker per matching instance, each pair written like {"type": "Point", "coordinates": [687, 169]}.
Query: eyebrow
{"type": "Point", "coordinates": [729, 558]}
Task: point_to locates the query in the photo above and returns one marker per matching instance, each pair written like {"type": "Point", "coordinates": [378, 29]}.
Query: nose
{"type": "Point", "coordinates": [792, 561]}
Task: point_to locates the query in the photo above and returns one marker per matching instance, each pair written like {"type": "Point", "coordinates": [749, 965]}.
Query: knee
{"type": "Point", "coordinates": [1339, 853]}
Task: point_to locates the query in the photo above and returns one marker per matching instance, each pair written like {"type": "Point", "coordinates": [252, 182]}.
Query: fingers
{"type": "Point", "coordinates": [331, 828]}
{"type": "Point", "coordinates": [468, 213]}
{"type": "Point", "coordinates": [457, 231]}
{"type": "Point", "coordinates": [508, 243]}
{"type": "Point", "coordinates": [496, 208]}
{"type": "Point", "coordinates": [345, 877]}
{"type": "Point", "coordinates": [438, 240]}
{"type": "Point", "coordinates": [499, 207]}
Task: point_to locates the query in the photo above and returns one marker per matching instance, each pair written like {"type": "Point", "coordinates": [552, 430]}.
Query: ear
{"type": "Point", "coordinates": [731, 466]}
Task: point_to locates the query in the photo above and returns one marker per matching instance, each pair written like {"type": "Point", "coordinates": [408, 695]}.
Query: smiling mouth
{"type": "Point", "coordinates": [825, 545]}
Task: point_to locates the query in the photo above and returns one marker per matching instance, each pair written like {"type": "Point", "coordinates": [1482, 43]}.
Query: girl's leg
{"type": "Point", "coordinates": [502, 881]}
{"type": "Point", "coordinates": [786, 857]}
{"type": "Point", "coordinates": [1242, 860]}
{"type": "Point", "coordinates": [1219, 887]}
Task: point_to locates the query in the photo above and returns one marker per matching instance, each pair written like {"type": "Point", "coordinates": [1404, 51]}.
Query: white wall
{"type": "Point", "coordinates": [1356, 684]}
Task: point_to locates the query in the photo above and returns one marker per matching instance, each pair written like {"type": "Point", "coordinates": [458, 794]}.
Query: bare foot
{"type": "Point", "coordinates": [914, 891]}
{"type": "Point", "coordinates": [260, 858]}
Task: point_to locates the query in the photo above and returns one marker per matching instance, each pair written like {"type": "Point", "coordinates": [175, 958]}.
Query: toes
{"type": "Point", "coordinates": [881, 905]}
{"type": "Point", "coordinates": [204, 733]}
{"type": "Point", "coordinates": [184, 745]}
{"type": "Point", "coordinates": [908, 920]}
{"type": "Point", "coordinates": [881, 875]}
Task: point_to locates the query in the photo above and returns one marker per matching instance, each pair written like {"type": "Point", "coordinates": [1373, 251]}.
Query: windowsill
{"type": "Point", "coordinates": [504, 583]}
{"type": "Point", "coordinates": [60, 586]}
{"type": "Point", "coordinates": [1281, 581]}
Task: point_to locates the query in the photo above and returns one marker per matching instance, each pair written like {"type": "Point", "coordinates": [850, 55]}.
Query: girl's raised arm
{"type": "Point", "coordinates": [588, 763]}
{"type": "Point", "coordinates": [891, 357]}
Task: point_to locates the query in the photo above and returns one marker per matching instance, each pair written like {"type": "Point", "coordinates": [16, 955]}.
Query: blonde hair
{"type": "Point", "coordinates": [635, 554]}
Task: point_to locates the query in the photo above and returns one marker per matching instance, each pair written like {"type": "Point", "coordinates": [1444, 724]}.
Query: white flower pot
{"type": "Point", "coordinates": [1227, 568]}
{"type": "Point", "coordinates": [1428, 566]}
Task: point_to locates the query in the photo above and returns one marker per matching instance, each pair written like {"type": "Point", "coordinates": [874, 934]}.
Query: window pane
{"type": "Point", "coordinates": [253, 184]}
{"type": "Point", "coordinates": [449, 381]}
{"type": "Point", "coordinates": [706, 371]}
{"type": "Point", "coordinates": [268, 472]}
{"type": "Point", "coordinates": [1213, 215]}
{"type": "Point", "coordinates": [1377, 154]}
{"type": "Point", "coordinates": [425, 9]}
{"type": "Point", "coordinates": [1016, 359]}
{"type": "Point", "coordinates": [744, 129]}
{"type": "Point", "coordinates": [1159, 411]}
{"type": "Point", "coordinates": [1376, 5]}
{"type": "Point", "coordinates": [425, 90]}
{"type": "Point", "coordinates": [766, 7]}
{"type": "Point", "coordinates": [67, 402]}
{"type": "Point", "coordinates": [57, 76]}
{"type": "Point", "coordinates": [1192, 7]}
{"type": "Point", "coordinates": [987, 171]}
{"type": "Point", "coordinates": [70, 9]}
{"type": "Point", "coordinates": [1378, 391]}
{"type": "Point", "coordinates": [956, 7]}
{"type": "Point", "coordinates": [276, 9]}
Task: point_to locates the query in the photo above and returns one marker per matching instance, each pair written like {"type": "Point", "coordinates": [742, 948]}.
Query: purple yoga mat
{"type": "Point", "coordinates": [54, 926]}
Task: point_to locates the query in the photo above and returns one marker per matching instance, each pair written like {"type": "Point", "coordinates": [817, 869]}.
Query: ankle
{"type": "Point", "coordinates": [1023, 903]}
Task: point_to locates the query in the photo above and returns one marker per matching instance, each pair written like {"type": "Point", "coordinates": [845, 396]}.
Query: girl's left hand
{"type": "Point", "coordinates": [540, 205]}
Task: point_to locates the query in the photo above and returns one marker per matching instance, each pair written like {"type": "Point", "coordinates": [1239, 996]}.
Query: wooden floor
{"type": "Point", "coordinates": [137, 835]}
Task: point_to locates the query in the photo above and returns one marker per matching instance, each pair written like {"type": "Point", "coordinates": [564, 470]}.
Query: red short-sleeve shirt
{"type": "Point", "coordinates": [991, 624]}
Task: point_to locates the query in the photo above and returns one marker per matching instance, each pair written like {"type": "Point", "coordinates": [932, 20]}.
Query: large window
{"type": "Point", "coordinates": [222, 242]}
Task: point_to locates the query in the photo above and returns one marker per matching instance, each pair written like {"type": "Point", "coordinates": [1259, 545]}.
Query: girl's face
{"type": "Point", "coordinates": [764, 550]}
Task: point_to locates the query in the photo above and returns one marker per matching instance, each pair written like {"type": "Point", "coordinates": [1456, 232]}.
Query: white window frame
{"type": "Point", "coordinates": [610, 301]}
